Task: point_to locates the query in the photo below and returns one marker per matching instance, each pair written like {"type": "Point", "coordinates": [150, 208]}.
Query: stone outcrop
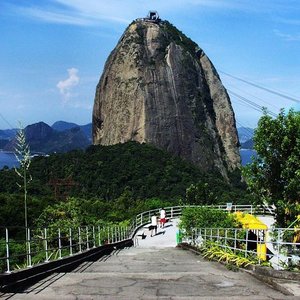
{"type": "Point", "coordinates": [159, 87]}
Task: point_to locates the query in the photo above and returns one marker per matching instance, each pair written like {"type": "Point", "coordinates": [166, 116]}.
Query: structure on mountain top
{"type": "Point", "coordinates": [152, 17]}
{"type": "Point", "coordinates": [159, 87]}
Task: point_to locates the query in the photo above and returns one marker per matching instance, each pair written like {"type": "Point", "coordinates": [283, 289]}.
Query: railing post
{"type": "Point", "coordinates": [278, 245]}
{"type": "Point", "coordinates": [7, 251]}
{"type": "Point", "coordinates": [246, 252]}
{"type": "Point", "coordinates": [235, 240]}
{"type": "Point", "coordinates": [29, 249]}
{"type": "Point", "coordinates": [99, 236]}
{"type": "Point", "coordinates": [79, 239]}
{"type": "Point", "coordinates": [46, 245]}
{"type": "Point", "coordinates": [258, 242]}
{"type": "Point", "coordinates": [70, 241]}
{"type": "Point", "coordinates": [87, 238]}
{"type": "Point", "coordinates": [59, 244]}
{"type": "Point", "coordinates": [94, 237]}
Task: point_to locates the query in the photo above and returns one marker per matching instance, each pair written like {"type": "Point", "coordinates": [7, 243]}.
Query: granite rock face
{"type": "Point", "coordinates": [159, 87]}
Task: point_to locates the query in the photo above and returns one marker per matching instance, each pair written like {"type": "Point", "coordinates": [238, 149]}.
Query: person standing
{"type": "Point", "coordinates": [153, 225]}
{"type": "Point", "coordinates": [162, 218]}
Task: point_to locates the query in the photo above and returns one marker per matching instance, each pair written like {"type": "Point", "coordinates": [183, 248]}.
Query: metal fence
{"type": "Point", "coordinates": [176, 211]}
{"type": "Point", "coordinates": [22, 248]}
{"type": "Point", "coordinates": [279, 246]}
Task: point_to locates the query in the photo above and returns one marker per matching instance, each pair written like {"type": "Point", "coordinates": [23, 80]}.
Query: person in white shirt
{"type": "Point", "coordinates": [162, 218]}
{"type": "Point", "coordinates": [153, 225]}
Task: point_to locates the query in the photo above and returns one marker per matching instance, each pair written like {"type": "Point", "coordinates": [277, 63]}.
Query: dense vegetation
{"type": "Point", "coordinates": [204, 217]}
{"type": "Point", "coordinates": [180, 38]}
{"type": "Point", "coordinates": [111, 183]}
{"type": "Point", "coordinates": [273, 176]}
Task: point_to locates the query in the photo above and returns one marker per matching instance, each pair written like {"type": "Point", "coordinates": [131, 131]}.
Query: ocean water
{"type": "Point", "coordinates": [246, 155]}
{"type": "Point", "coordinates": [8, 159]}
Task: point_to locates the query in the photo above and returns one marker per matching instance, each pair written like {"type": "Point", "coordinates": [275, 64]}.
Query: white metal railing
{"type": "Point", "coordinates": [20, 248]}
{"type": "Point", "coordinates": [175, 211]}
{"type": "Point", "coordinates": [279, 246]}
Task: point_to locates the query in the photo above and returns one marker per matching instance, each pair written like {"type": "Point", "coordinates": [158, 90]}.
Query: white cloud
{"type": "Point", "coordinates": [65, 86]}
{"type": "Point", "coordinates": [95, 12]}
{"type": "Point", "coordinates": [55, 16]}
{"type": "Point", "coordinates": [287, 36]}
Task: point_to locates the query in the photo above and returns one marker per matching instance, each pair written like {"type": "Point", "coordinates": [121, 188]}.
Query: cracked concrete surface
{"type": "Point", "coordinates": [155, 269]}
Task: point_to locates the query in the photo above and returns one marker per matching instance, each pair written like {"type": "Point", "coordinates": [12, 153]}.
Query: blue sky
{"type": "Point", "coordinates": [52, 52]}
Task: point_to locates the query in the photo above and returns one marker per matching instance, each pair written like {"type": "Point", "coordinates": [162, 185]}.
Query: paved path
{"type": "Point", "coordinates": [154, 269]}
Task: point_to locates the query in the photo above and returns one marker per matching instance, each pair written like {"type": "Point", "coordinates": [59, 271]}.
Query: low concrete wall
{"type": "Point", "coordinates": [16, 281]}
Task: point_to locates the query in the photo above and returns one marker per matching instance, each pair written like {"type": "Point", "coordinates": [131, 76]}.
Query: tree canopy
{"type": "Point", "coordinates": [274, 175]}
{"type": "Point", "coordinates": [111, 183]}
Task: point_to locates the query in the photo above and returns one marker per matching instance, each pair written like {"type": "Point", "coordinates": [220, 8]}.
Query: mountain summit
{"type": "Point", "coordinates": [159, 87]}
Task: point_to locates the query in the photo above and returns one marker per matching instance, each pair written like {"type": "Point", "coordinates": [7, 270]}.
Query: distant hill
{"type": "Point", "coordinates": [87, 129]}
{"type": "Point", "coordinates": [105, 172]}
{"type": "Point", "coordinates": [248, 144]}
{"type": "Point", "coordinates": [7, 134]}
{"type": "Point", "coordinates": [246, 137]}
{"type": "Point", "coordinates": [3, 143]}
{"type": "Point", "coordinates": [43, 138]}
{"type": "Point", "coordinates": [245, 134]}
{"type": "Point", "coordinates": [62, 126]}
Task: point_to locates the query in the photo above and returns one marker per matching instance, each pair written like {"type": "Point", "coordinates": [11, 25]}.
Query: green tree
{"type": "Point", "coordinates": [205, 217]}
{"type": "Point", "coordinates": [200, 193]}
{"type": "Point", "coordinates": [273, 176]}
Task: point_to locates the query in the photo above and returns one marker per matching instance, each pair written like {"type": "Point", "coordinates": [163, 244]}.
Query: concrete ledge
{"type": "Point", "coordinates": [270, 281]}
{"type": "Point", "coordinates": [19, 279]}
{"type": "Point", "coordinates": [279, 280]}
{"type": "Point", "coordinates": [280, 274]}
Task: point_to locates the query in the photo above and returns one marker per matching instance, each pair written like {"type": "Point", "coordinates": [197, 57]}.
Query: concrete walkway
{"type": "Point", "coordinates": [154, 269]}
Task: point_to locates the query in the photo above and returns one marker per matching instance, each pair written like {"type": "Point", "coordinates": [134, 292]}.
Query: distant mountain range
{"type": "Point", "coordinates": [66, 136]}
{"type": "Point", "coordinates": [246, 137]}
{"type": "Point", "coordinates": [60, 137]}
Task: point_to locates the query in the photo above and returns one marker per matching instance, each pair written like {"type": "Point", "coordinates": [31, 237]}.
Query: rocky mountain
{"type": "Point", "coordinates": [159, 87]}
{"type": "Point", "coordinates": [43, 138]}
{"type": "Point", "coordinates": [249, 144]}
{"type": "Point", "coordinates": [62, 125]}
{"type": "Point", "coordinates": [246, 137]}
{"type": "Point", "coordinates": [245, 134]}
